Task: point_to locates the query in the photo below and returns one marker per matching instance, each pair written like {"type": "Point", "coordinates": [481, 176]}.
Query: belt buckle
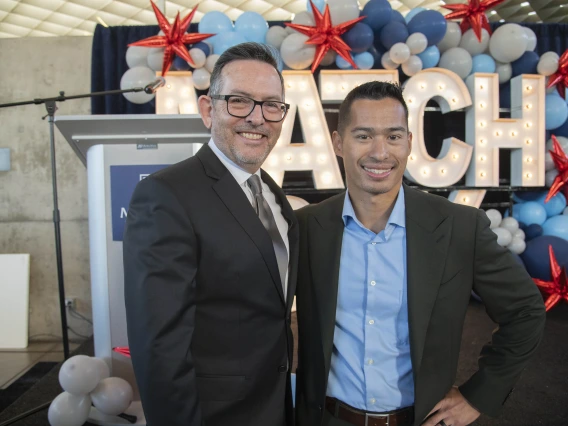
{"type": "Point", "coordinates": [378, 416]}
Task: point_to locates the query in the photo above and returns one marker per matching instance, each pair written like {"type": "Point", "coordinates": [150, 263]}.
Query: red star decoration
{"type": "Point", "coordinates": [560, 77]}
{"type": "Point", "coordinates": [174, 38]}
{"type": "Point", "coordinates": [122, 350]}
{"type": "Point", "coordinates": [557, 289]}
{"type": "Point", "coordinates": [561, 163]}
{"type": "Point", "coordinates": [473, 14]}
{"type": "Point", "coordinates": [326, 36]}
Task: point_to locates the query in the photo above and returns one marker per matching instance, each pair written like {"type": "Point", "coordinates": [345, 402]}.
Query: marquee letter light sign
{"type": "Point", "coordinates": [178, 95]}
{"type": "Point", "coordinates": [523, 133]}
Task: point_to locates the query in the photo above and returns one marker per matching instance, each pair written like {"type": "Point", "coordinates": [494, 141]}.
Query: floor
{"type": "Point", "coordinates": [15, 362]}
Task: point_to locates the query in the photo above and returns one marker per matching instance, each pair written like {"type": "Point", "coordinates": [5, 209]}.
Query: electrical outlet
{"type": "Point", "coordinates": [70, 302]}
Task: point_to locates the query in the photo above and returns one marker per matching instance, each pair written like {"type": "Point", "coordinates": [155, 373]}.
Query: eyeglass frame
{"type": "Point", "coordinates": [255, 103]}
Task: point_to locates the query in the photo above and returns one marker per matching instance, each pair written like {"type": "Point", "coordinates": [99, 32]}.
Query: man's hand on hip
{"type": "Point", "coordinates": [453, 410]}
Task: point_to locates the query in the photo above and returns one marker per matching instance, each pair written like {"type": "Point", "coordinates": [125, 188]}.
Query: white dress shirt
{"type": "Point", "coordinates": [241, 176]}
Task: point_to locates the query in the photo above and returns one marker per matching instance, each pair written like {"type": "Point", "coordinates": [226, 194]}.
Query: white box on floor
{"type": "Point", "coordinates": [14, 300]}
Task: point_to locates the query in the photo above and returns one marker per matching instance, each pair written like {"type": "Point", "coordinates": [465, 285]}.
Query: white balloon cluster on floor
{"type": "Point", "coordinates": [86, 381]}
{"type": "Point", "coordinates": [507, 230]}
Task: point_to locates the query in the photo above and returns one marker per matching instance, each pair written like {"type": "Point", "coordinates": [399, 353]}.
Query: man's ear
{"type": "Point", "coordinates": [205, 106]}
{"type": "Point", "coordinates": [337, 144]}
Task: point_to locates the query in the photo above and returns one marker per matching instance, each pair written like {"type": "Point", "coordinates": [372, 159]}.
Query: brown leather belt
{"type": "Point", "coordinates": [402, 417]}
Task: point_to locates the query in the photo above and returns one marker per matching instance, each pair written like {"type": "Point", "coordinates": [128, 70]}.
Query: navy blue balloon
{"type": "Point", "coordinates": [378, 14]}
{"type": "Point", "coordinates": [180, 64]}
{"type": "Point", "coordinates": [203, 46]}
{"type": "Point", "coordinates": [537, 260]}
{"type": "Point", "coordinates": [532, 231]}
{"type": "Point", "coordinates": [505, 95]}
{"type": "Point", "coordinates": [430, 23]}
{"type": "Point", "coordinates": [377, 54]}
{"type": "Point", "coordinates": [524, 196]}
{"type": "Point", "coordinates": [526, 64]}
{"type": "Point", "coordinates": [392, 33]}
{"type": "Point", "coordinates": [359, 38]}
{"type": "Point", "coordinates": [396, 16]}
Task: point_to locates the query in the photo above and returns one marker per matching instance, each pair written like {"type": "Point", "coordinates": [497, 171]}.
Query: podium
{"type": "Point", "coordinates": [119, 151]}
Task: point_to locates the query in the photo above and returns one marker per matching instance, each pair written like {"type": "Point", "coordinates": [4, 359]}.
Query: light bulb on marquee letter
{"type": "Point", "coordinates": [178, 95]}
{"type": "Point", "coordinates": [335, 85]}
{"type": "Point", "coordinates": [468, 197]}
{"type": "Point", "coordinates": [302, 95]}
{"type": "Point", "coordinates": [449, 91]}
{"type": "Point", "coordinates": [526, 124]}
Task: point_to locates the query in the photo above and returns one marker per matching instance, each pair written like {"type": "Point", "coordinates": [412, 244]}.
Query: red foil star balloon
{"type": "Point", "coordinates": [561, 163]}
{"type": "Point", "coordinates": [174, 38]}
{"type": "Point", "coordinates": [326, 36]}
{"type": "Point", "coordinates": [122, 350]}
{"type": "Point", "coordinates": [473, 14]}
{"type": "Point", "coordinates": [560, 77]}
{"type": "Point", "coordinates": [557, 289]}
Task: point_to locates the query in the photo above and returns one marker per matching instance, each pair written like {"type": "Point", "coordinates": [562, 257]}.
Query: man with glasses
{"type": "Point", "coordinates": [210, 257]}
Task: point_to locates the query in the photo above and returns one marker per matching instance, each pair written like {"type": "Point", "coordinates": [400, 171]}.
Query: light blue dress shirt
{"type": "Point", "coordinates": [371, 367]}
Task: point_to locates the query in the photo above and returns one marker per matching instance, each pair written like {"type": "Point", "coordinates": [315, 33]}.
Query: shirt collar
{"type": "Point", "coordinates": [240, 175]}
{"type": "Point", "coordinates": [397, 216]}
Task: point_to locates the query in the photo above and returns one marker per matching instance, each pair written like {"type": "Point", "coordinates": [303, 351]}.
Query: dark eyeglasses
{"type": "Point", "coordinates": [241, 107]}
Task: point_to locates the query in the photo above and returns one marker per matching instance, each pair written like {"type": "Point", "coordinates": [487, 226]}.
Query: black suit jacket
{"type": "Point", "coordinates": [450, 251]}
{"type": "Point", "coordinates": [208, 326]}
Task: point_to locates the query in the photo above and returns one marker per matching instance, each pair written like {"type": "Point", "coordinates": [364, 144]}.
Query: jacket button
{"type": "Point", "coordinates": [282, 369]}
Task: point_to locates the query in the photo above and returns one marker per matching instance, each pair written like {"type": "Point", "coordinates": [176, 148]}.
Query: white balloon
{"type": "Point", "coordinates": [137, 56]}
{"type": "Point", "coordinates": [343, 10]}
{"type": "Point", "coordinates": [549, 177]}
{"type": "Point", "coordinates": [494, 217]}
{"type": "Point", "coordinates": [304, 18]}
{"type": "Point", "coordinates": [517, 245]}
{"type": "Point", "coordinates": [510, 224]}
{"type": "Point", "coordinates": [508, 43]}
{"type": "Point", "coordinates": [399, 53]}
{"type": "Point", "coordinates": [198, 57]}
{"type": "Point", "coordinates": [457, 60]}
{"type": "Point", "coordinates": [104, 371]}
{"type": "Point", "coordinates": [505, 72]}
{"type": "Point", "coordinates": [547, 65]}
{"type": "Point", "coordinates": [519, 233]}
{"type": "Point", "coordinates": [210, 62]}
{"type": "Point", "coordinates": [531, 39]}
{"type": "Point", "coordinates": [417, 43]}
{"type": "Point", "coordinates": [550, 54]}
{"type": "Point", "coordinates": [69, 410]}
{"type": "Point", "coordinates": [112, 396]}
{"type": "Point", "coordinates": [412, 66]}
{"type": "Point", "coordinates": [295, 53]}
{"type": "Point", "coordinates": [276, 35]}
{"type": "Point", "coordinates": [452, 37]}
{"type": "Point", "coordinates": [329, 58]}
{"type": "Point", "coordinates": [470, 42]}
{"type": "Point", "coordinates": [201, 79]}
{"type": "Point", "coordinates": [504, 237]}
{"type": "Point", "coordinates": [80, 374]}
{"type": "Point", "coordinates": [387, 62]}
{"type": "Point", "coordinates": [155, 59]}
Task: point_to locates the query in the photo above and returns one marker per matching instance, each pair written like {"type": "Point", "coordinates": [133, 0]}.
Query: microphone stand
{"type": "Point", "coordinates": [51, 107]}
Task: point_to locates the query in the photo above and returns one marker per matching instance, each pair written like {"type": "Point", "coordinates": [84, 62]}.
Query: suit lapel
{"type": "Point", "coordinates": [428, 234]}
{"type": "Point", "coordinates": [325, 237]}
{"type": "Point", "coordinates": [237, 203]}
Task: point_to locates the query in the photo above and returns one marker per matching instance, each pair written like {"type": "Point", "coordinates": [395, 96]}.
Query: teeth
{"type": "Point", "coordinates": [251, 135]}
{"type": "Point", "coordinates": [377, 171]}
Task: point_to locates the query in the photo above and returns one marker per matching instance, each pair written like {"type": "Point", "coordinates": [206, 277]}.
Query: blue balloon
{"type": "Point", "coordinates": [377, 54]}
{"type": "Point", "coordinates": [392, 33]}
{"type": "Point", "coordinates": [430, 23]}
{"type": "Point", "coordinates": [555, 205]}
{"type": "Point", "coordinates": [252, 26]}
{"type": "Point", "coordinates": [556, 111]}
{"type": "Point", "coordinates": [320, 4]}
{"type": "Point", "coordinates": [413, 13]}
{"type": "Point", "coordinates": [526, 64]}
{"type": "Point", "coordinates": [203, 46]}
{"type": "Point", "coordinates": [532, 231]}
{"type": "Point", "coordinates": [537, 260]}
{"type": "Point", "coordinates": [483, 63]}
{"type": "Point", "coordinates": [359, 38]}
{"type": "Point", "coordinates": [556, 226]}
{"type": "Point", "coordinates": [523, 196]}
{"type": "Point", "coordinates": [214, 23]}
{"type": "Point", "coordinates": [516, 211]}
{"type": "Point", "coordinates": [430, 57]}
{"type": "Point", "coordinates": [342, 63]}
{"type": "Point", "coordinates": [364, 61]}
{"type": "Point", "coordinates": [505, 95]}
{"type": "Point", "coordinates": [224, 41]}
{"type": "Point", "coordinates": [532, 212]}
{"type": "Point", "coordinates": [180, 64]}
{"type": "Point", "coordinates": [562, 130]}
{"type": "Point", "coordinates": [396, 16]}
{"type": "Point", "coordinates": [378, 13]}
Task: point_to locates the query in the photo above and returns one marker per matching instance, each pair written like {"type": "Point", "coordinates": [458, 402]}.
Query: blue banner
{"type": "Point", "coordinates": [123, 180]}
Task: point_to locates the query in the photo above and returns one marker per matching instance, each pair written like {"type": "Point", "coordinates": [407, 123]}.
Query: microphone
{"type": "Point", "coordinates": [152, 87]}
